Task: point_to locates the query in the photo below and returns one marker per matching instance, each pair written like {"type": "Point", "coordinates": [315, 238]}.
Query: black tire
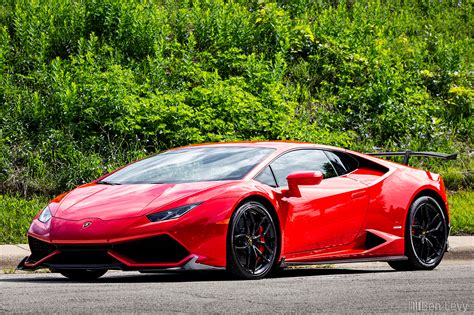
{"type": "Point", "coordinates": [82, 275]}
{"type": "Point", "coordinates": [252, 242]}
{"type": "Point", "coordinates": [426, 236]}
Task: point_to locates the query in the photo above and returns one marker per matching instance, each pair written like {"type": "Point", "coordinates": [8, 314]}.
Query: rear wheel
{"type": "Point", "coordinates": [426, 236]}
{"type": "Point", "coordinates": [252, 244]}
{"type": "Point", "coordinates": [82, 275]}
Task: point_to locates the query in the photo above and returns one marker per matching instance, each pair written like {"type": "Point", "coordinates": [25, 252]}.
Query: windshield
{"type": "Point", "coordinates": [191, 165]}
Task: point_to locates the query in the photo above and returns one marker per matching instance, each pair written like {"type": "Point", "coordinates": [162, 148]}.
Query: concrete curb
{"type": "Point", "coordinates": [460, 248]}
{"type": "Point", "coordinates": [11, 255]}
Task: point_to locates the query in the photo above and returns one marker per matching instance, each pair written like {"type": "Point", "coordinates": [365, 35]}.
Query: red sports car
{"type": "Point", "coordinates": [249, 208]}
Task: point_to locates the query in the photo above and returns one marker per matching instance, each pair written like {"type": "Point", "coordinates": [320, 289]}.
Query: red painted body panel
{"type": "Point", "coordinates": [330, 221]}
{"type": "Point", "coordinates": [326, 215]}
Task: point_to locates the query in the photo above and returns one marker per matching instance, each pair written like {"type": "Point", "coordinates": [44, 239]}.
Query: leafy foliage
{"type": "Point", "coordinates": [86, 86]}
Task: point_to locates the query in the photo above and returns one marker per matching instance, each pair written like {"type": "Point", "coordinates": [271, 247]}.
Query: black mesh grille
{"type": "Point", "coordinates": [39, 249]}
{"type": "Point", "coordinates": [78, 255]}
{"type": "Point", "coordinates": [159, 249]}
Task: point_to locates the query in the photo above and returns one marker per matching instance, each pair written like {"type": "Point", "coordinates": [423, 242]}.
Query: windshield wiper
{"type": "Point", "coordinates": [103, 182]}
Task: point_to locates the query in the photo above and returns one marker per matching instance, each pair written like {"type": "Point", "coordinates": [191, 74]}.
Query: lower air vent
{"type": "Point", "coordinates": [78, 255]}
{"type": "Point", "coordinates": [159, 249]}
{"type": "Point", "coordinates": [372, 240]}
{"type": "Point", "coordinates": [39, 249]}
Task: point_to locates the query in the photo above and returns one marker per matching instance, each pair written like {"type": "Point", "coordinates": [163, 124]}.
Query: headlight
{"type": "Point", "coordinates": [45, 215]}
{"type": "Point", "coordinates": [172, 213]}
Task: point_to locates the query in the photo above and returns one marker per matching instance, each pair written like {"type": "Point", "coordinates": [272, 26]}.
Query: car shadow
{"type": "Point", "coordinates": [189, 276]}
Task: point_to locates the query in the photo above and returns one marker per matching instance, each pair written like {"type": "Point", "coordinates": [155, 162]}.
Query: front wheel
{"type": "Point", "coordinates": [426, 236]}
{"type": "Point", "coordinates": [252, 245]}
{"type": "Point", "coordinates": [82, 275]}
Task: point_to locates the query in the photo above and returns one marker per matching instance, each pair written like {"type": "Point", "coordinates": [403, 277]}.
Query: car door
{"type": "Point", "coordinates": [326, 215]}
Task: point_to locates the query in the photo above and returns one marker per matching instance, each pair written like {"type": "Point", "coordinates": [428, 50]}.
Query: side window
{"type": "Point", "coordinates": [301, 160]}
{"type": "Point", "coordinates": [337, 163]}
{"type": "Point", "coordinates": [343, 162]}
{"type": "Point", "coordinates": [266, 177]}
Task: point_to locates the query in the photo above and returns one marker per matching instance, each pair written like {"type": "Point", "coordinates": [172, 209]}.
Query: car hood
{"type": "Point", "coordinates": [110, 202]}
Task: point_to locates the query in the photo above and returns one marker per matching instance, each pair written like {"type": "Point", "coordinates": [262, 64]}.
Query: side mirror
{"type": "Point", "coordinates": [302, 178]}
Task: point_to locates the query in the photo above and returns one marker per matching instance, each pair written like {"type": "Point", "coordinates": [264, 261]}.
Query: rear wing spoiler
{"type": "Point", "coordinates": [407, 154]}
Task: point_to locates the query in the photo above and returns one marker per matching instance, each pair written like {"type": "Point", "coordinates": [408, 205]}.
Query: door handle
{"type": "Point", "coordinates": [358, 194]}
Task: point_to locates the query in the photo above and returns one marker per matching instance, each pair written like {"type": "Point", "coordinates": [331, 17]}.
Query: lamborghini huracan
{"type": "Point", "coordinates": [250, 208]}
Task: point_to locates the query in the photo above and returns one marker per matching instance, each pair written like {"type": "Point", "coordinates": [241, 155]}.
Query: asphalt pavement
{"type": "Point", "coordinates": [370, 287]}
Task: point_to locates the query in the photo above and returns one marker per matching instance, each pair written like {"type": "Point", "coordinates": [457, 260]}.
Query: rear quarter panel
{"type": "Point", "coordinates": [390, 199]}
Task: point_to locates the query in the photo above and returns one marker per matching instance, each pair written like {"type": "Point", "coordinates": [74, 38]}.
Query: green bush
{"type": "Point", "coordinates": [86, 86]}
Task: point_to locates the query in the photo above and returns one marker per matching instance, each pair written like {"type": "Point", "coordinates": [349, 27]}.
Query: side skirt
{"type": "Point", "coordinates": [285, 264]}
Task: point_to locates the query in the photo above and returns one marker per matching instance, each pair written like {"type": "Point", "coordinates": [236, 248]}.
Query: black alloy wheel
{"type": "Point", "coordinates": [426, 236]}
{"type": "Point", "coordinates": [81, 274]}
{"type": "Point", "coordinates": [252, 245]}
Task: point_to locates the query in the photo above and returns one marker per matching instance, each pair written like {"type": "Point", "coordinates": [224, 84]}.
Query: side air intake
{"type": "Point", "coordinates": [372, 240]}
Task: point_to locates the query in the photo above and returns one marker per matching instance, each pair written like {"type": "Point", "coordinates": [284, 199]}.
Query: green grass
{"type": "Point", "coordinates": [12, 270]}
{"type": "Point", "coordinates": [461, 206]}
{"type": "Point", "coordinates": [16, 214]}
{"type": "Point", "coordinates": [322, 266]}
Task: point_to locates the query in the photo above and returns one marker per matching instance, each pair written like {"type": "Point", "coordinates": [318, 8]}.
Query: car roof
{"type": "Point", "coordinates": [282, 146]}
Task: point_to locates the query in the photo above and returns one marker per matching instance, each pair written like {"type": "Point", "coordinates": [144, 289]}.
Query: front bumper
{"type": "Point", "coordinates": [160, 252]}
{"type": "Point", "coordinates": [202, 232]}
